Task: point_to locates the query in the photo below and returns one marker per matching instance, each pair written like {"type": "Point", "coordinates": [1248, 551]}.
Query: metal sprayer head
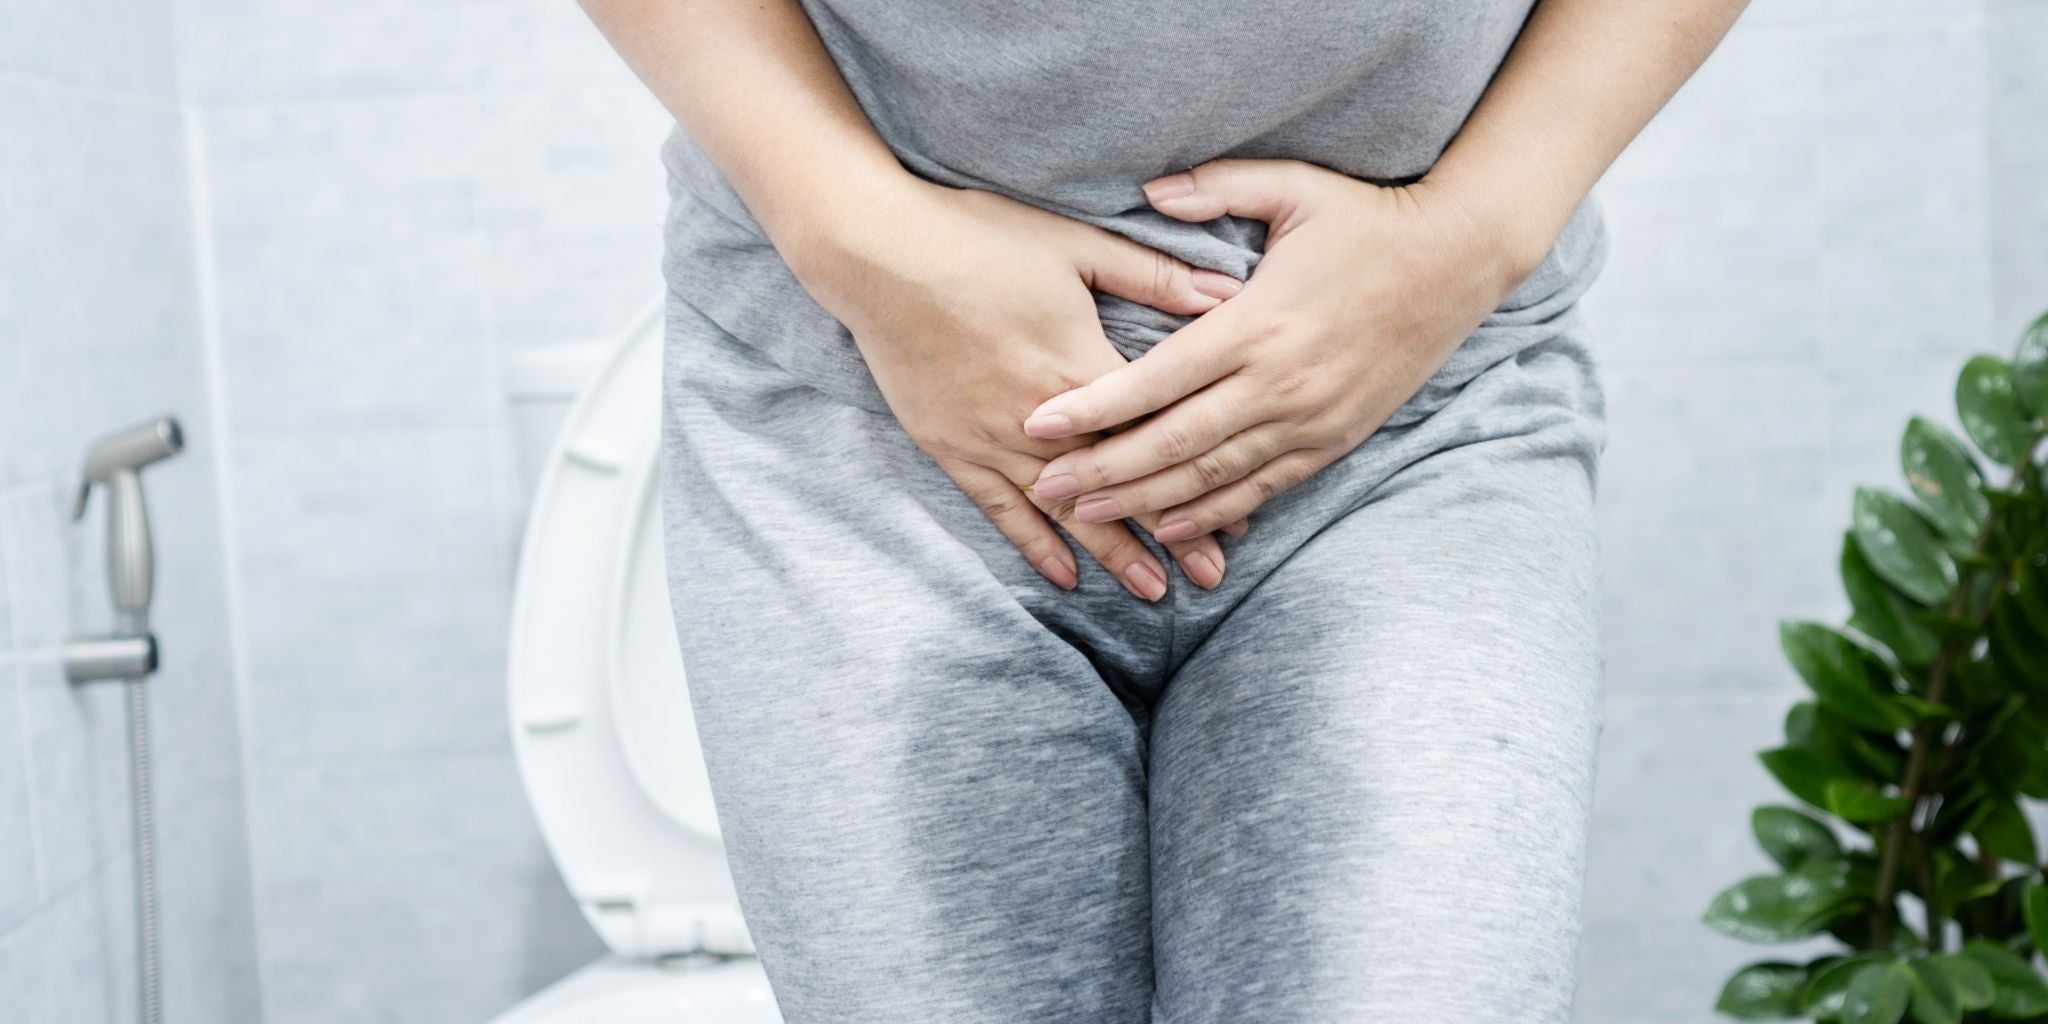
{"type": "Point", "coordinates": [115, 461]}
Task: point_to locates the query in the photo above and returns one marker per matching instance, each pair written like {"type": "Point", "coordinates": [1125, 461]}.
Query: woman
{"type": "Point", "coordinates": [1292, 283]}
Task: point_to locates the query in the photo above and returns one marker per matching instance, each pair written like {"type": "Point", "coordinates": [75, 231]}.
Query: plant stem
{"type": "Point", "coordinates": [1936, 937]}
{"type": "Point", "coordinates": [1924, 734]}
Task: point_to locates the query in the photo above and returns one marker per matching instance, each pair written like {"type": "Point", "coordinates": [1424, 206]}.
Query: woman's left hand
{"type": "Point", "coordinates": [1363, 292]}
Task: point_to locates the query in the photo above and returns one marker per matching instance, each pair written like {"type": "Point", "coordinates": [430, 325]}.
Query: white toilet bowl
{"type": "Point", "coordinates": [600, 716]}
{"type": "Point", "coordinates": [620, 991]}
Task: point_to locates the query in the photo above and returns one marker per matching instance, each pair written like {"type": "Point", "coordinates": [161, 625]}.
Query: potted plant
{"type": "Point", "coordinates": [1926, 732]}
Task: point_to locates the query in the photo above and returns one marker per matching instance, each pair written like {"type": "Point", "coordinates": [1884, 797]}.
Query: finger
{"type": "Point", "coordinates": [1179, 365]}
{"type": "Point", "coordinates": [1111, 263]}
{"type": "Point", "coordinates": [1235, 501]}
{"type": "Point", "coordinates": [1200, 558]}
{"type": "Point", "coordinates": [1118, 549]}
{"type": "Point", "coordinates": [1269, 190]}
{"type": "Point", "coordinates": [1113, 545]}
{"type": "Point", "coordinates": [1239, 528]}
{"type": "Point", "coordinates": [1226, 463]}
{"type": "Point", "coordinates": [1014, 514]}
{"type": "Point", "coordinates": [1185, 431]}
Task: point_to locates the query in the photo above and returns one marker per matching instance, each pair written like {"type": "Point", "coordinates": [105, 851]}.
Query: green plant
{"type": "Point", "coordinates": [1926, 731]}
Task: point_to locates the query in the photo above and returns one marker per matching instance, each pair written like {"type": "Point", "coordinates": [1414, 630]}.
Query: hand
{"type": "Point", "coordinates": [1363, 292]}
{"type": "Point", "coordinates": [969, 308]}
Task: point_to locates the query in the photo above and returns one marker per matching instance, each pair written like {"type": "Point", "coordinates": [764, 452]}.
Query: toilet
{"type": "Point", "coordinates": [601, 726]}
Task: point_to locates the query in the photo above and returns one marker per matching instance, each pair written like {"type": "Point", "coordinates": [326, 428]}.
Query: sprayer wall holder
{"type": "Point", "coordinates": [93, 659]}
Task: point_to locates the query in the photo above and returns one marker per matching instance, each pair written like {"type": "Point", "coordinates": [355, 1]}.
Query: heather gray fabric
{"type": "Point", "coordinates": [1351, 784]}
{"type": "Point", "coordinates": [1072, 105]}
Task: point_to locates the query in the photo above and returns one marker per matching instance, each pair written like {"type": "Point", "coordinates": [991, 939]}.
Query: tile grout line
{"type": "Point", "coordinates": [36, 852]}
{"type": "Point", "coordinates": [199, 205]}
{"type": "Point", "coordinates": [38, 843]}
{"type": "Point", "coordinates": [503, 468]}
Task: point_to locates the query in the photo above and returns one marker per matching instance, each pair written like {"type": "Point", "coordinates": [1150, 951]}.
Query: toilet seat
{"type": "Point", "coordinates": [601, 724]}
{"type": "Point", "coordinates": [611, 991]}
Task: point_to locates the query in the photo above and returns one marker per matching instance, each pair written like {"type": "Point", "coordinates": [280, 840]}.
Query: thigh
{"type": "Point", "coordinates": [1371, 782]}
{"type": "Point", "coordinates": [932, 805]}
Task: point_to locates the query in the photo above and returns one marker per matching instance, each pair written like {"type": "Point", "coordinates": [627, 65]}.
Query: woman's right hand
{"type": "Point", "coordinates": [970, 309]}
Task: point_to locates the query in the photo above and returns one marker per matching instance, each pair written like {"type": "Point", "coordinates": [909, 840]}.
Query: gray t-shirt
{"type": "Point", "coordinates": [1072, 105]}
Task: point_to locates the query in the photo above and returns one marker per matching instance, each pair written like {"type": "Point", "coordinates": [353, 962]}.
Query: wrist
{"type": "Point", "coordinates": [819, 224]}
{"type": "Point", "coordinates": [1516, 216]}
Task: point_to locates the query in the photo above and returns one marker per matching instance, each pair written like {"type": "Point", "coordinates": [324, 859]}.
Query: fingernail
{"type": "Point", "coordinates": [1178, 529]}
{"type": "Point", "coordinates": [1146, 581]}
{"type": "Point", "coordinates": [1099, 510]}
{"type": "Point", "coordinates": [1173, 186]}
{"type": "Point", "coordinates": [1059, 572]}
{"type": "Point", "coordinates": [1217, 286]}
{"type": "Point", "coordinates": [1058, 487]}
{"type": "Point", "coordinates": [1238, 529]}
{"type": "Point", "coordinates": [1049, 424]}
{"type": "Point", "coordinates": [1202, 569]}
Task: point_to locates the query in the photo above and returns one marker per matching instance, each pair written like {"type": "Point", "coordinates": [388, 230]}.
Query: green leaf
{"type": "Point", "coordinates": [1945, 479]}
{"type": "Point", "coordinates": [1879, 611]}
{"type": "Point", "coordinates": [1945, 627]}
{"type": "Point", "coordinates": [1792, 837]}
{"type": "Point", "coordinates": [2035, 906]}
{"type": "Point", "coordinates": [2020, 991]}
{"type": "Point", "coordinates": [1781, 908]}
{"type": "Point", "coordinates": [1960, 812]}
{"type": "Point", "coordinates": [1763, 991]}
{"type": "Point", "coordinates": [1841, 749]}
{"type": "Point", "coordinates": [1802, 772]}
{"type": "Point", "coordinates": [2030, 366]}
{"type": "Point", "coordinates": [1859, 801]}
{"type": "Point", "coordinates": [1934, 999]}
{"type": "Point", "coordinates": [2032, 590]}
{"type": "Point", "coordinates": [1969, 980]}
{"type": "Point", "coordinates": [1849, 680]}
{"type": "Point", "coordinates": [1799, 723]}
{"type": "Point", "coordinates": [1920, 707]}
{"type": "Point", "coordinates": [1991, 410]}
{"type": "Point", "coordinates": [1959, 880]}
{"type": "Point", "coordinates": [1824, 996]}
{"type": "Point", "coordinates": [1901, 547]}
{"type": "Point", "coordinates": [1877, 994]}
{"type": "Point", "coordinates": [2004, 832]}
{"type": "Point", "coordinates": [2017, 647]}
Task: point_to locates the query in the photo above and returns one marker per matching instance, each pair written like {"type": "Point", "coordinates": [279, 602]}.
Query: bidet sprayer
{"type": "Point", "coordinates": [116, 461]}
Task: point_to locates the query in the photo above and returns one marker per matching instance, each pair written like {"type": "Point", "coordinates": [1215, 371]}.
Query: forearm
{"type": "Point", "coordinates": [754, 87]}
{"type": "Point", "coordinates": [1583, 78]}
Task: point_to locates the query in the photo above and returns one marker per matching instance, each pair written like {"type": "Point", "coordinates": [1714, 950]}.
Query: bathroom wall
{"type": "Point", "coordinates": [100, 326]}
{"type": "Point", "coordinates": [2017, 104]}
{"type": "Point", "coordinates": [400, 195]}
{"type": "Point", "coordinates": [1848, 201]}
{"type": "Point", "coordinates": [1806, 244]}
{"type": "Point", "coordinates": [317, 231]}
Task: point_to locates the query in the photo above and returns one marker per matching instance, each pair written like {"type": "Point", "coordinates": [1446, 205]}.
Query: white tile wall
{"type": "Point", "coordinates": [99, 329]}
{"type": "Point", "coordinates": [346, 247]}
{"type": "Point", "coordinates": [1843, 203]}
{"type": "Point", "coordinates": [18, 865]}
{"type": "Point", "coordinates": [2017, 99]}
{"type": "Point", "coordinates": [1808, 242]}
{"type": "Point", "coordinates": [424, 891]}
{"type": "Point", "coordinates": [103, 45]}
{"type": "Point", "coordinates": [569, 203]}
{"type": "Point", "coordinates": [389, 215]}
{"type": "Point", "coordinates": [376, 596]}
{"type": "Point", "coordinates": [235, 50]}
{"type": "Point", "coordinates": [24, 985]}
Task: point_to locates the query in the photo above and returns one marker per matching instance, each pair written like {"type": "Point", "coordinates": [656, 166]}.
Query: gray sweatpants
{"type": "Point", "coordinates": [1351, 784]}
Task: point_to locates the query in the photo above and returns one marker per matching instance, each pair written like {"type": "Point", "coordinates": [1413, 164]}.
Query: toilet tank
{"type": "Point", "coordinates": [540, 384]}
